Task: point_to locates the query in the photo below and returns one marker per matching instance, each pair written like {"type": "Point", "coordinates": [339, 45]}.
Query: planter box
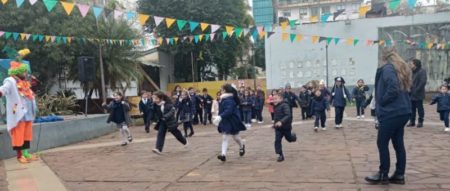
{"type": "Point", "coordinates": [56, 134]}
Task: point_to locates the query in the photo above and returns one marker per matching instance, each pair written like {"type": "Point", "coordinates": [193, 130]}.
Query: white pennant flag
{"type": "Point", "coordinates": [246, 31]}
{"type": "Point", "coordinates": [117, 14]}
{"type": "Point", "coordinates": [214, 28]}
{"type": "Point", "coordinates": [32, 2]}
{"type": "Point", "coordinates": [158, 20]}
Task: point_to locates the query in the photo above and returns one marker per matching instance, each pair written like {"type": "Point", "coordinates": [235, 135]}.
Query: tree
{"type": "Point", "coordinates": [220, 54]}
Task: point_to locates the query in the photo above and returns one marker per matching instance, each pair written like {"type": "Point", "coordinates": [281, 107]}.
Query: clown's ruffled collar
{"type": "Point", "coordinates": [24, 88]}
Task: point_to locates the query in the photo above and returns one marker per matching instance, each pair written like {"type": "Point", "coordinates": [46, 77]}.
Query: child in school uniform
{"type": "Point", "coordinates": [207, 102]}
{"type": "Point", "coordinates": [359, 94]}
{"type": "Point", "coordinates": [318, 106]}
{"type": "Point", "coordinates": [146, 110]}
{"type": "Point", "coordinates": [339, 95]}
{"type": "Point", "coordinates": [187, 110]}
{"type": "Point", "coordinates": [247, 104]}
{"type": "Point", "coordinates": [282, 124]}
{"type": "Point", "coordinates": [215, 105]}
{"type": "Point", "coordinates": [119, 114]}
{"type": "Point", "coordinates": [443, 105]}
{"type": "Point", "coordinates": [304, 98]}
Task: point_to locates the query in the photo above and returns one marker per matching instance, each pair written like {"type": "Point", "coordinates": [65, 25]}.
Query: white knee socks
{"type": "Point", "coordinates": [225, 139]}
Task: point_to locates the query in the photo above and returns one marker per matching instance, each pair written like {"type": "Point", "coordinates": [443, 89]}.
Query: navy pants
{"type": "Point", "coordinates": [162, 136]}
{"type": "Point", "coordinates": [207, 116]}
{"type": "Point", "coordinates": [279, 134]}
{"type": "Point", "coordinates": [417, 106]}
{"type": "Point", "coordinates": [305, 112]}
{"type": "Point", "coordinates": [247, 116]}
{"type": "Point", "coordinates": [444, 116]}
{"type": "Point", "coordinates": [188, 125]}
{"type": "Point", "coordinates": [360, 106]}
{"type": "Point", "coordinates": [147, 120]}
{"type": "Point", "coordinates": [392, 130]}
{"type": "Point", "coordinates": [320, 116]}
{"type": "Point", "coordinates": [259, 116]}
{"type": "Point", "coordinates": [339, 111]}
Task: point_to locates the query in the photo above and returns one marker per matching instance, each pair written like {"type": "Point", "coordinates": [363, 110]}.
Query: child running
{"type": "Point", "coordinates": [443, 105]}
{"type": "Point", "coordinates": [318, 106]}
{"type": "Point", "coordinates": [282, 125]}
{"type": "Point", "coordinates": [339, 94]}
{"type": "Point", "coordinates": [186, 109]}
{"type": "Point", "coordinates": [118, 113]}
{"type": "Point", "coordinates": [228, 122]}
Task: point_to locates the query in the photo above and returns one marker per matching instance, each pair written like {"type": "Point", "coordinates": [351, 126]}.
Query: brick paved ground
{"type": "Point", "coordinates": [329, 160]}
{"type": "Point", "coordinates": [3, 182]}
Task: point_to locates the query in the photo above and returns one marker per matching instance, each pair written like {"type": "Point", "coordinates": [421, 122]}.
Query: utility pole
{"type": "Point", "coordinates": [254, 65]}
{"type": "Point", "coordinates": [326, 62]}
{"type": "Point", "coordinates": [100, 57]}
{"type": "Point", "coordinates": [192, 65]}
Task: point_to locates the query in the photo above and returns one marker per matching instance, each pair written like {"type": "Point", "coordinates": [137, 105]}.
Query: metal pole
{"type": "Point", "coordinates": [86, 104]}
{"type": "Point", "coordinates": [192, 65]}
{"type": "Point", "coordinates": [326, 57]}
{"type": "Point", "coordinates": [102, 73]}
{"type": "Point", "coordinates": [254, 69]}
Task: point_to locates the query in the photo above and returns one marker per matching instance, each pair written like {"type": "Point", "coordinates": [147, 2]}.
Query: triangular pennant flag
{"type": "Point", "coordinates": [53, 38]}
{"type": "Point", "coordinates": [175, 40]}
{"type": "Point", "coordinates": [68, 7]}
{"type": "Point", "coordinates": [169, 22]}
{"type": "Point", "coordinates": [207, 36]}
{"type": "Point", "coordinates": [27, 36]}
{"type": "Point", "coordinates": [191, 38]}
{"type": "Point", "coordinates": [322, 39]}
{"type": "Point", "coordinates": [284, 25]}
{"type": "Point", "coordinates": [255, 34]}
{"type": "Point", "coordinates": [363, 10]}
{"type": "Point", "coordinates": [203, 26]}
{"type": "Point", "coordinates": [193, 25]}
{"type": "Point", "coordinates": [22, 36]}
{"type": "Point", "coordinates": [355, 41]}
{"type": "Point", "coordinates": [181, 24]}
{"type": "Point", "coordinates": [1, 33]}
{"type": "Point", "coordinates": [97, 11]}
{"type": "Point", "coordinates": [7, 35]}
{"type": "Point", "coordinates": [314, 39]}
{"type": "Point", "coordinates": [224, 35]}
{"type": "Point", "coordinates": [394, 4]}
{"type": "Point", "coordinates": [214, 28]}
{"type": "Point", "coordinates": [200, 37]}
{"type": "Point", "coordinates": [349, 41]}
{"type": "Point", "coordinates": [50, 4]}
{"type": "Point", "coordinates": [64, 40]}
{"type": "Point", "coordinates": [34, 37]}
{"type": "Point", "coordinates": [230, 30]}
{"type": "Point", "coordinates": [324, 17]}
{"type": "Point", "coordinates": [19, 2]}
{"type": "Point", "coordinates": [299, 37]}
{"type": "Point", "coordinates": [41, 38]}
{"type": "Point", "coordinates": [284, 36]}
{"type": "Point", "coordinates": [329, 39]}
{"type": "Point", "coordinates": [15, 36]}
{"type": "Point", "coordinates": [412, 4]}
{"type": "Point", "coordinates": [212, 36]}
{"type": "Point", "coordinates": [143, 19]}
{"type": "Point", "coordinates": [238, 32]}
{"type": "Point", "coordinates": [117, 14]}
{"type": "Point", "coordinates": [4, 1]}
{"type": "Point", "coordinates": [58, 40]}
{"type": "Point", "coordinates": [369, 42]}
{"type": "Point", "coordinates": [293, 36]}
{"type": "Point", "coordinates": [337, 13]}
{"type": "Point", "coordinates": [32, 2]}
{"type": "Point", "coordinates": [171, 41]}
{"type": "Point", "coordinates": [268, 28]}
{"type": "Point", "coordinates": [143, 42]}
{"type": "Point", "coordinates": [430, 45]}
{"type": "Point", "coordinates": [246, 31]}
{"type": "Point", "coordinates": [130, 16]}
{"type": "Point", "coordinates": [260, 29]}
{"type": "Point", "coordinates": [292, 23]}
{"type": "Point", "coordinates": [84, 9]}
{"type": "Point", "coordinates": [270, 34]}
{"type": "Point", "coordinates": [381, 42]}
{"type": "Point", "coordinates": [262, 34]}
{"type": "Point", "coordinates": [196, 38]}
{"type": "Point", "coordinates": [314, 19]}
{"type": "Point", "coordinates": [47, 38]}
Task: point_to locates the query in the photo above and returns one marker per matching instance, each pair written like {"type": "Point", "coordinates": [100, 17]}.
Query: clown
{"type": "Point", "coordinates": [21, 106]}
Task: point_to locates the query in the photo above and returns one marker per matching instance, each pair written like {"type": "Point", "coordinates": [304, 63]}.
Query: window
{"type": "Point", "coordinates": [303, 11]}
{"type": "Point", "coordinates": [340, 7]}
{"type": "Point", "coordinates": [326, 10]}
{"type": "Point", "coordinates": [286, 13]}
{"type": "Point", "coordinates": [315, 11]}
{"type": "Point", "coordinates": [355, 7]}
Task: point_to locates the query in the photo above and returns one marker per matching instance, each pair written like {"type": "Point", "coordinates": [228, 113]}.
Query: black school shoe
{"type": "Point", "coordinates": [378, 178]}
{"type": "Point", "coordinates": [280, 158]}
{"type": "Point", "coordinates": [420, 125]}
{"type": "Point", "coordinates": [397, 179]}
{"type": "Point", "coordinates": [411, 125]}
{"type": "Point", "coordinates": [242, 151]}
{"type": "Point", "coordinates": [130, 139]}
{"type": "Point", "coordinates": [222, 158]}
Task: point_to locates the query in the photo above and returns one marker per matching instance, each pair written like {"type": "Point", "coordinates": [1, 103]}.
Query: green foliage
{"type": "Point", "coordinates": [221, 54]}
{"type": "Point", "coordinates": [60, 104]}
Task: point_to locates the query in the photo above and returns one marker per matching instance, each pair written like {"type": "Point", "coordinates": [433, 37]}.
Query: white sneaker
{"type": "Point", "coordinates": [358, 117]}
{"type": "Point", "coordinates": [253, 120]}
{"type": "Point", "coordinates": [362, 116]}
{"type": "Point", "coordinates": [447, 129]}
{"type": "Point", "coordinates": [248, 126]}
{"type": "Point", "coordinates": [316, 128]}
{"type": "Point", "coordinates": [260, 122]}
{"type": "Point", "coordinates": [156, 151]}
{"type": "Point", "coordinates": [186, 146]}
{"type": "Point", "coordinates": [324, 128]}
{"type": "Point", "coordinates": [273, 121]}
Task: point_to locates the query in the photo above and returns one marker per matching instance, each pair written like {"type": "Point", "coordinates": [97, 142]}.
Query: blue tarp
{"type": "Point", "coordinates": [50, 118]}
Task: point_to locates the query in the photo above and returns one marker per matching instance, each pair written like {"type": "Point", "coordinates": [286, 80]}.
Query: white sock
{"type": "Point", "coordinates": [123, 135]}
{"type": "Point", "coordinates": [126, 130]}
{"type": "Point", "coordinates": [224, 144]}
{"type": "Point", "coordinates": [238, 140]}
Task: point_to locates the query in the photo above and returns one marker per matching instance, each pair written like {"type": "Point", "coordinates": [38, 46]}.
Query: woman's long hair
{"type": "Point", "coordinates": [404, 73]}
{"type": "Point", "coordinates": [228, 88]}
{"type": "Point", "coordinates": [163, 97]}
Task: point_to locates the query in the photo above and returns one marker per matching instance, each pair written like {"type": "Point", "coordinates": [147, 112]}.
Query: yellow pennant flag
{"type": "Point", "coordinates": [203, 26]}
{"type": "Point", "coordinates": [284, 36]}
{"type": "Point", "coordinates": [22, 36]}
{"type": "Point", "coordinates": [169, 22]}
{"type": "Point", "coordinates": [160, 40]}
{"type": "Point", "coordinates": [314, 19]}
{"type": "Point", "coordinates": [230, 30]}
{"type": "Point", "coordinates": [363, 10]}
{"type": "Point", "coordinates": [349, 41]}
{"type": "Point", "coordinates": [47, 38]}
{"type": "Point", "coordinates": [4, 1]}
{"type": "Point", "coordinates": [262, 34]}
{"type": "Point", "coordinates": [69, 40]}
{"type": "Point", "coordinates": [430, 45]}
{"type": "Point", "coordinates": [175, 39]}
{"type": "Point", "coordinates": [200, 37]}
{"type": "Point", "coordinates": [284, 25]}
{"type": "Point", "coordinates": [68, 7]}
{"type": "Point", "coordinates": [143, 18]}
{"type": "Point", "coordinates": [299, 37]}
{"type": "Point", "coordinates": [381, 42]}
{"type": "Point", "coordinates": [315, 39]}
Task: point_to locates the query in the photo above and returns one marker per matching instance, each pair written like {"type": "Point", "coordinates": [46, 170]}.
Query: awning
{"type": "Point", "coordinates": [150, 58]}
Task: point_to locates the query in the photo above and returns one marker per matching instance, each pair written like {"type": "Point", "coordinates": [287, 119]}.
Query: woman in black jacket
{"type": "Point", "coordinates": [166, 121]}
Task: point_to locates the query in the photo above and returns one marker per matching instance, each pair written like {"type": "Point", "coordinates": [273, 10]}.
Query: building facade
{"type": "Point", "coordinates": [263, 12]}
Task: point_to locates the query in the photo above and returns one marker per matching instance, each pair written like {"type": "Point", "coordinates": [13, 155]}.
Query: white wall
{"type": "Point", "coordinates": [76, 87]}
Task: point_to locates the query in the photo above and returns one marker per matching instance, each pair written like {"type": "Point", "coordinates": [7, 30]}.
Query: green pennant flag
{"type": "Point", "coordinates": [64, 40]}
{"type": "Point", "coordinates": [129, 42]}
{"type": "Point", "coordinates": [171, 41]}
{"type": "Point", "coordinates": [336, 40]}
{"type": "Point", "coordinates": [224, 35]}
{"type": "Point", "coordinates": [207, 36]}
{"type": "Point", "coordinates": [355, 41]}
{"type": "Point", "coordinates": [193, 25]}
{"type": "Point", "coordinates": [292, 23]}
{"type": "Point", "coordinates": [35, 37]}
{"type": "Point", "coordinates": [15, 36]}
{"type": "Point", "coordinates": [293, 36]}
{"type": "Point", "coordinates": [238, 32]}
{"type": "Point", "coordinates": [329, 39]}
{"type": "Point", "coordinates": [41, 38]}
{"type": "Point", "coordinates": [58, 40]}
{"type": "Point", "coordinates": [50, 4]}
{"type": "Point", "coordinates": [196, 38]}
{"type": "Point", "coordinates": [143, 41]}
{"type": "Point", "coordinates": [7, 35]}
{"type": "Point", "coordinates": [181, 24]}
{"type": "Point", "coordinates": [394, 4]}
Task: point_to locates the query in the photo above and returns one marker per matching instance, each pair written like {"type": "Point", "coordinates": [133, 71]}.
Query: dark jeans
{"type": "Point", "coordinates": [207, 116]}
{"type": "Point", "coordinates": [417, 106]}
{"type": "Point", "coordinates": [188, 125]}
{"type": "Point", "coordinates": [259, 116]}
{"type": "Point", "coordinates": [305, 112]}
{"type": "Point", "coordinates": [147, 120]}
{"type": "Point", "coordinates": [198, 116]}
{"type": "Point", "coordinates": [360, 106]}
{"type": "Point", "coordinates": [247, 117]}
{"type": "Point", "coordinates": [279, 134]}
{"type": "Point", "coordinates": [339, 111]}
{"type": "Point", "coordinates": [444, 117]}
{"type": "Point", "coordinates": [322, 116]}
{"type": "Point", "coordinates": [162, 136]}
{"type": "Point", "coordinates": [272, 115]}
{"type": "Point", "coordinates": [392, 129]}
{"type": "Point", "coordinates": [253, 113]}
